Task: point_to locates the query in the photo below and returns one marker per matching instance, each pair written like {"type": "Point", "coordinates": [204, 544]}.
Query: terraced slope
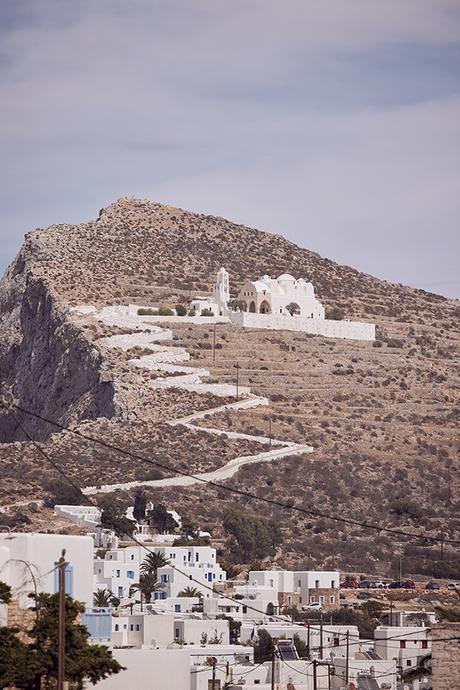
{"type": "Point", "coordinates": [383, 419]}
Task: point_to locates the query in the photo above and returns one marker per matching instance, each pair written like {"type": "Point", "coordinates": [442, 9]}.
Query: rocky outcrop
{"type": "Point", "coordinates": [46, 362]}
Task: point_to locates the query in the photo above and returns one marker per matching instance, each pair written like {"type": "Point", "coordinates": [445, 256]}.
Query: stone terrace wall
{"type": "Point", "coordinates": [446, 656]}
{"type": "Point", "coordinates": [351, 330]}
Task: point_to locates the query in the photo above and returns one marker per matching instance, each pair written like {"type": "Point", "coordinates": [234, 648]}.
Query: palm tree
{"type": "Point", "coordinates": [146, 586]}
{"type": "Point", "coordinates": [190, 592]}
{"type": "Point", "coordinates": [102, 597]}
{"type": "Point", "coordinates": [152, 562]}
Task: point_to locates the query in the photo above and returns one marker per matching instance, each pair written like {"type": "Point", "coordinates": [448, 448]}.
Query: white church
{"type": "Point", "coordinates": [283, 303]}
{"type": "Point", "coordinates": [283, 295]}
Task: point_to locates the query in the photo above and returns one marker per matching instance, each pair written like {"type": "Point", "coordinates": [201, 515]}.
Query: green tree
{"type": "Point", "coordinates": [102, 597]}
{"type": "Point", "coordinates": [335, 314]}
{"type": "Point", "coordinates": [300, 646]}
{"type": "Point", "coordinates": [5, 593]}
{"type": "Point", "coordinates": [264, 647]}
{"type": "Point", "coordinates": [234, 627]}
{"type": "Point", "coordinates": [20, 666]}
{"type": "Point", "coordinates": [189, 528]}
{"type": "Point", "coordinates": [113, 515]}
{"type": "Point", "coordinates": [251, 537]}
{"type": "Point", "coordinates": [147, 585]}
{"type": "Point", "coordinates": [152, 562]}
{"type": "Point", "coordinates": [190, 592]}
{"type": "Point", "coordinates": [33, 664]}
{"type": "Point", "coordinates": [293, 308]}
{"type": "Point", "coordinates": [60, 492]}
{"type": "Point", "coordinates": [181, 310]}
{"type": "Point", "coordinates": [140, 503]}
{"type": "Point", "coordinates": [161, 520]}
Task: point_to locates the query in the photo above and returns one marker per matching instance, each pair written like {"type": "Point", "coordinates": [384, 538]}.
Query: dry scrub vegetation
{"type": "Point", "coordinates": [383, 417]}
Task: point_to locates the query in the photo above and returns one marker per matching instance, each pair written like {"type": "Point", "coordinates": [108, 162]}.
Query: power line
{"type": "Point", "coordinates": [185, 574]}
{"type": "Point", "coordinates": [217, 485]}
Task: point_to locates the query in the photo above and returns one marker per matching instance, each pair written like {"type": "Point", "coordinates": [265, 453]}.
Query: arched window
{"type": "Point", "coordinates": [252, 307]}
{"type": "Point", "coordinates": [265, 307]}
{"type": "Point", "coordinates": [117, 627]}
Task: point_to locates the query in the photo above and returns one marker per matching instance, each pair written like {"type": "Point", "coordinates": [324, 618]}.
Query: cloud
{"type": "Point", "coordinates": [336, 124]}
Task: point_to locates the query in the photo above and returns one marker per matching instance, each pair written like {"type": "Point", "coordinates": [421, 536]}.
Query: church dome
{"type": "Point", "coordinates": [287, 278]}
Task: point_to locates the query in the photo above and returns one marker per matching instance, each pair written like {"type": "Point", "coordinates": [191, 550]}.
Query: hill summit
{"type": "Point", "coordinates": [381, 417]}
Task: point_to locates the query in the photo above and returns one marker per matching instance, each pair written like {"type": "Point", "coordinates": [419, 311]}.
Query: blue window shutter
{"type": "Point", "coordinates": [68, 579]}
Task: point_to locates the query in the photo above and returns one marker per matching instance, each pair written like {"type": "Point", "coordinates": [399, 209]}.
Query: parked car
{"type": "Point", "coordinates": [349, 584]}
{"type": "Point", "coordinates": [432, 585]}
{"type": "Point", "coordinates": [365, 595]}
{"type": "Point", "coordinates": [313, 606]}
{"type": "Point", "coordinates": [380, 585]}
{"type": "Point", "coordinates": [402, 584]}
{"type": "Point", "coordinates": [453, 585]}
{"type": "Point", "coordinates": [364, 584]}
{"type": "Point", "coordinates": [409, 584]}
{"type": "Point", "coordinates": [342, 595]}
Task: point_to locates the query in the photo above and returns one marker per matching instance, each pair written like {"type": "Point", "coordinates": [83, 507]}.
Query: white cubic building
{"type": "Point", "coordinates": [29, 560]}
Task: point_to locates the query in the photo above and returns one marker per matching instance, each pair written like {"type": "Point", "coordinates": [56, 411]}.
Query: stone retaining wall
{"type": "Point", "coordinates": [351, 330]}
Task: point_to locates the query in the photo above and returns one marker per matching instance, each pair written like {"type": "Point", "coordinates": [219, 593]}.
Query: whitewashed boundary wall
{"type": "Point", "coordinates": [351, 330]}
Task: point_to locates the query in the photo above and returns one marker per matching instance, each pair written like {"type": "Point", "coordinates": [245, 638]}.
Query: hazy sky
{"type": "Point", "coordinates": [333, 122]}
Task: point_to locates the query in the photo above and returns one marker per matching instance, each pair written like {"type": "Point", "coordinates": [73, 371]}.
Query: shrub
{"type": "Point", "coordinates": [192, 312]}
{"type": "Point", "coordinates": [147, 312]}
{"type": "Point", "coordinates": [207, 312]}
{"type": "Point", "coordinates": [335, 314]}
{"type": "Point", "coordinates": [181, 310]}
{"type": "Point", "coordinates": [165, 311]}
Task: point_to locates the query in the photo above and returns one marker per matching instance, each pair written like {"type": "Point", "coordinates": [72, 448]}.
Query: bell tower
{"type": "Point", "coordinates": [221, 288]}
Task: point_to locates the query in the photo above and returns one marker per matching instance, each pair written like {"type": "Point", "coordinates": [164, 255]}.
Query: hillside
{"type": "Point", "coordinates": [382, 418]}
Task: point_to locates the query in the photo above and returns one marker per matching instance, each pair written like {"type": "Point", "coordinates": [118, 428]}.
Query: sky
{"type": "Point", "coordinates": [335, 123]}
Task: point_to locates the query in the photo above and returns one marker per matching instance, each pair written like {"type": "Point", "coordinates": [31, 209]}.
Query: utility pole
{"type": "Point", "coordinates": [214, 343]}
{"type": "Point", "coordinates": [214, 673]}
{"type": "Point", "coordinates": [449, 481]}
{"type": "Point", "coordinates": [237, 367]}
{"type": "Point", "coordinates": [347, 660]}
{"type": "Point", "coordinates": [273, 670]}
{"type": "Point", "coordinates": [308, 641]}
{"type": "Point", "coordinates": [442, 547]}
{"type": "Point", "coordinates": [61, 631]}
{"type": "Point", "coordinates": [270, 430]}
{"type": "Point", "coordinates": [321, 637]}
{"type": "Point", "coordinates": [315, 676]}
{"type": "Point", "coordinates": [400, 568]}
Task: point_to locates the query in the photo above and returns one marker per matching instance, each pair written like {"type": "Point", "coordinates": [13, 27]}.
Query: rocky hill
{"type": "Point", "coordinates": [382, 418]}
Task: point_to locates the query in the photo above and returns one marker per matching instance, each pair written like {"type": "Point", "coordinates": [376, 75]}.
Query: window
{"type": "Point", "coordinates": [312, 599]}
{"type": "Point", "coordinates": [117, 627]}
{"type": "Point", "coordinates": [332, 599]}
{"type": "Point", "coordinates": [130, 574]}
{"type": "Point", "coordinates": [332, 584]}
{"type": "Point", "coordinates": [177, 633]}
{"type": "Point", "coordinates": [424, 644]}
{"type": "Point", "coordinates": [408, 662]}
{"type": "Point", "coordinates": [336, 641]}
{"type": "Point", "coordinates": [299, 583]}
{"type": "Point", "coordinates": [177, 608]}
{"type": "Point", "coordinates": [131, 627]}
{"type": "Point", "coordinates": [197, 557]}
{"type": "Point", "coordinates": [138, 627]}
{"type": "Point", "coordinates": [68, 579]}
{"type": "Point", "coordinates": [245, 609]}
{"type": "Point", "coordinates": [132, 557]}
{"type": "Point", "coordinates": [321, 599]}
{"type": "Point", "coordinates": [402, 644]}
{"type": "Point", "coordinates": [120, 592]}
{"type": "Point", "coordinates": [316, 584]}
{"type": "Point", "coordinates": [118, 573]}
